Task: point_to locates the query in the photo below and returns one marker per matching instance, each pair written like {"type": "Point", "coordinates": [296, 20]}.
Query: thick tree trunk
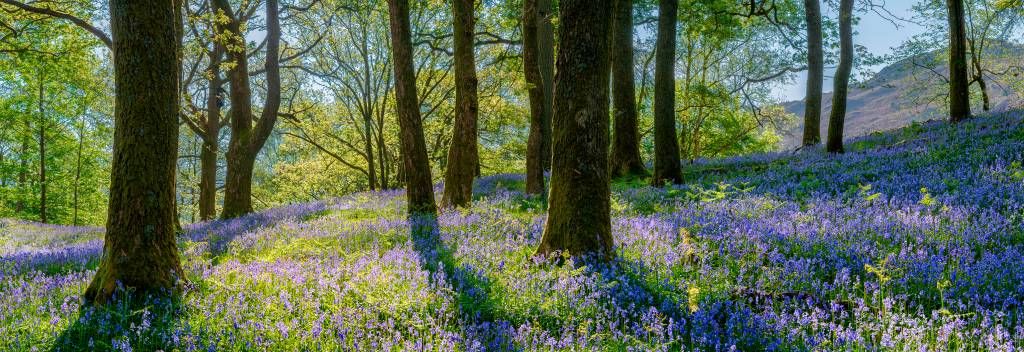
{"type": "Point", "coordinates": [841, 82]}
{"type": "Point", "coordinates": [247, 140]}
{"type": "Point", "coordinates": [667, 166]}
{"type": "Point", "coordinates": [211, 138]}
{"type": "Point", "coordinates": [535, 144]}
{"type": "Point", "coordinates": [419, 183]}
{"type": "Point", "coordinates": [42, 151]}
{"type": "Point", "coordinates": [579, 219]}
{"type": "Point", "coordinates": [462, 154]}
{"type": "Point", "coordinates": [959, 95]}
{"type": "Point", "coordinates": [815, 74]}
{"type": "Point", "coordinates": [625, 160]}
{"type": "Point", "coordinates": [139, 250]}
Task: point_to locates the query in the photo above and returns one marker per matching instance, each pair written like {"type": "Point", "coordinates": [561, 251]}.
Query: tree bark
{"type": "Point", "coordinates": [959, 95]}
{"type": "Point", "coordinates": [210, 139]}
{"type": "Point", "coordinates": [247, 140]}
{"type": "Point", "coordinates": [625, 160]}
{"type": "Point", "coordinates": [418, 181]}
{"type": "Point", "coordinates": [546, 63]}
{"type": "Point", "coordinates": [667, 166]}
{"type": "Point", "coordinates": [462, 153]}
{"type": "Point", "coordinates": [140, 251]}
{"type": "Point", "coordinates": [579, 219]}
{"type": "Point", "coordinates": [815, 74]}
{"type": "Point", "coordinates": [539, 118]}
{"type": "Point", "coordinates": [837, 118]}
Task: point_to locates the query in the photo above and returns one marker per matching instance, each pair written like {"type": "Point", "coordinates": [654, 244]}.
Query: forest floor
{"type": "Point", "coordinates": [912, 240]}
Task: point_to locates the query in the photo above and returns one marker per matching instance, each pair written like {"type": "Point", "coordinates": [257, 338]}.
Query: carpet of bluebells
{"type": "Point", "coordinates": [912, 240]}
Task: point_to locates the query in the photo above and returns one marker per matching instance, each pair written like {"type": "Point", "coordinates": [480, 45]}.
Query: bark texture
{"type": "Point", "coordinates": [815, 74]}
{"type": "Point", "coordinates": [462, 154]}
{"type": "Point", "coordinates": [248, 139]}
{"type": "Point", "coordinates": [667, 167]}
{"type": "Point", "coordinates": [139, 250]}
{"type": "Point", "coordinates": [579, 220]}
{"type": "Point", "coordinates": [837, 118]}
{"type": "Point", "coordinates": [625, 160]}
{"type": "Point", "coordinates": [538, 144]}
{"type": "Point", "coordinates": [959, 94]}
{"type": "Point", "coordinates": [210, 136]}
{"type": "Point", "coordinates": [419, 184]}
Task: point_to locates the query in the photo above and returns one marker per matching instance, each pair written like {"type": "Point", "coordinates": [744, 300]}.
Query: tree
{"type": "Point", "coordinates": [815, 74]}
{"type": "Point", "coordinates": [842, 78]}
{"type": "Point", "coordinates": [959, 89]}
{"type": "Point", "coordinates": [139, 250]}
{"type": "Point", "coordinates": [246, 139]}
{"type": "Point", "coordinates": [536, 57]}
{"type": "Point", "coordinates": [419, 188]}
{"type": "Point", "coordinates": [462, 154]}
{"type": "Point", "coordinates": [625, 158]}
{"type": "Point", "coordinates": [579, 211]}
{"type": "Point", "coordinates": [667, 166]}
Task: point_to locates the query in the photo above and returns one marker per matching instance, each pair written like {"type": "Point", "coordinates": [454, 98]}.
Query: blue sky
{"type": "Point", "coordinates": [875, 33]}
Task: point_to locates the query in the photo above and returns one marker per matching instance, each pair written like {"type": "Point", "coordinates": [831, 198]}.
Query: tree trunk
{"type": "Point", "coordinates": [210, 139]}
{"type": "Point", "coordinates": [78, 169]}
{"type": "Point", "coordinates": [419, 183]}
{"type": "Point", "coordinates": [667, 166]}
{"type": "Point", "coordinates": [579, 219]}
{"type": "Point", "coordinates": [815, 74]}
{"type": "Point", "coordinates": [535, 152]}
{"type": "Point", "coordinates": [462, 153]}
{"type": "Point", "coordinates": [42, 152]}
{"type": "Point", "coordinates": [546, 63]}
{"type": "Point", "coordinates": [26, 137]}
{"type": "Point", "coordinates": [140, 251]}
{"type": "Point", "coordinates": [979, 75]}
{"type": "Point", "coordinates": [959, 95]}
{"type": "Point", "coordinates": [625, 159]}
{"type": "Point", "coordinates": [842, 78]}
{"type": "Point", "coordinates": [247, 140]}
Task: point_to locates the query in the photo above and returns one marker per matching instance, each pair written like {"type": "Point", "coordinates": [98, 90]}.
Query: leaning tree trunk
{"type": "Point", "coordinates": [247, 140]}
{"type": "Point", "coordinates": [535, 152]}
{"type": "Point", "coordinates": [579, 219]}
{"type": "Point", "coordinates": [815, 74]}
{"type": "Point", "coordinates": [959, 95]}
{"type": "Point", "coordinates": [462, 154]}
{"type": "Point", "coordinates": [139, 250]}
{"type": "Point", "coordinates": [419, 184]}
{"type": "Point", "coordinates": [667, 166]}
{"type": "Point", "coordinates": [837, 118]}
{"type": "Point", "coordinates": [625, 159]}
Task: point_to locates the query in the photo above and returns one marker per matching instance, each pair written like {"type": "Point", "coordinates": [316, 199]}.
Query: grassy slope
{"type": "Point", "coordinates": [903, 243]}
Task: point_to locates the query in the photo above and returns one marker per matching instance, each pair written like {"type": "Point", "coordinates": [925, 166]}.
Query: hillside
{"type": "Point", "coordinates": [907, 242]}
{"type": "Point", "coordinates": [900, 94]}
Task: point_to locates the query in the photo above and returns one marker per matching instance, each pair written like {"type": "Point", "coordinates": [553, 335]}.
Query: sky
{"type": "Point", "coordinates": [875, 33]}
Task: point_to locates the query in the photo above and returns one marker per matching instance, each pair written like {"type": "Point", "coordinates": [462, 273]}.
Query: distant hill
{"type": "Point", "coordinates": [902, 93]}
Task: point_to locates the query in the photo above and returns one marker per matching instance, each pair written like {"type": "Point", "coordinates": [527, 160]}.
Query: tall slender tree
{"type": "Point", "coordinates": [815, 74]}
{"type": "Point", "coordinates": [667, 167]}
{"type": "Point", "coordinates": [462, 154]}
{"type": "Point", "coordinates": [625, 158]}
{"type": "Point", "coordinates": [139, 250]}
{"type": "Point", "coordinates": [419, 188]}
{"type": "Point", "coordinates": [42, 147]}
{"type": "Point", "coordinates": [248, 139]}
{"type": "Point", "coordinates": [959, 95]}
{"type": "Point", "coordinates": [841, 80]}
{"type": "Point", "coordinates": [536, 25]}
{"type": "Point", "coordinates": [579, 219]}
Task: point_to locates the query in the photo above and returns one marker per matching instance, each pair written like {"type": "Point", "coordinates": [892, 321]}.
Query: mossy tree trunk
{"type": "Point", "coordinates": [625, 160]}
{"type": "Point", "coordinates": [667, 167]}
{"type": "Point", "coordinates": [462, 154]}
{"type": "Point", "coordinates": [815, 74]}
{"type": "Point", "coordinates": [139, 249]}
{"type": "Point", "coordinates": [841, 82]}
{"type": "Point", "coordinates": [538, 146]}
{"type": "Point", "coordinates": [418, 182]}
{"type": "Point", "coordinates": [579, 220]}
